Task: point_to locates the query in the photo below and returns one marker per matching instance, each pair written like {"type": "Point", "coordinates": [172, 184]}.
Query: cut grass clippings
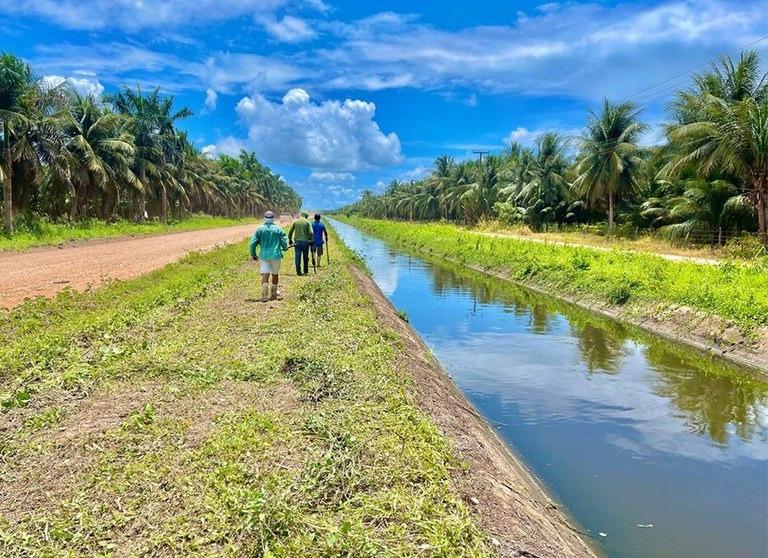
{"type": "Point", "coordinates": [46, 233]}
{"type": "Point", "coordinates": [175, 415]}
{"type": "Point", "coordinates": [736, 293]}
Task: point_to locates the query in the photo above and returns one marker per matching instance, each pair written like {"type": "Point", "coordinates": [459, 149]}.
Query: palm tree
{"type": "Point", "coordinates": [16, 80]}
{"type": "Point", "coordinates": [610, 159]}
{"type": "Point", "coordinates": [100, 152]}
{"type": "Point", "coordinates": [545, 189]}
{"type": "Point", "coordinates": [706, 207]}
{"type": "Point", "coordinates": [727, 80]}
{"type": "Point", "coordinates": [154, 120]}
{"type": "Point", "coordinates": [730, 140]}
{"type": "Point", "coordinates": [440, 180]}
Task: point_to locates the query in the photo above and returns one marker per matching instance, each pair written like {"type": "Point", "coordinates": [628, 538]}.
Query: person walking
{"type": "Point", "coordinates": [272, 242]}
{"type": "Point", "coordinates": [319, 238]}
{"type": "Point", "coordinates": [301, 233]}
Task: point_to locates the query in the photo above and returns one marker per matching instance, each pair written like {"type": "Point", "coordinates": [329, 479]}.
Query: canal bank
{"type": "Point", "coordinates": [722, 311]}
{"type": "Point", "coordinates": [510, 503]}
{"type": "Point", "coordinates": [655, 449]}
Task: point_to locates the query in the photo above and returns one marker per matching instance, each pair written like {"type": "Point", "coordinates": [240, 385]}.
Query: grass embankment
{"type": "Point", "coordinates": [747, 248]}
{"type": "Point", "coordinates": [640, 283]}
{"type": "Point", "coordinates": [45, 233]}
{"type": "Point", "coordinates": [174, 415]}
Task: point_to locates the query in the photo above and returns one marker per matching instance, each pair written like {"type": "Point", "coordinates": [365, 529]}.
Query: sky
{"type": "Point", "coordinates": [339, 96]}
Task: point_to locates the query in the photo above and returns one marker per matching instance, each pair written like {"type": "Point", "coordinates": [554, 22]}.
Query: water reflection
{"type": "Point", "coordinates": [714, 401]}
{"type": "Point", "coordinates": [711, 396]}
{"type": "Point", "coordinates": [625, 428]}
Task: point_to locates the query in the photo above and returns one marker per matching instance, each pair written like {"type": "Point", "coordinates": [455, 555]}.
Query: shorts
{"type": "Point", "coordinates": [270, 266]}
{"type": "Point", "coordinates": [317, 249]}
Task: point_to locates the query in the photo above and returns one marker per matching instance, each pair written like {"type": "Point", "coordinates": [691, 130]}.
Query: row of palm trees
{"type": "Point", "coordinates": [68, 156]}
{"type": "Point", "coordinates": [709, 179]}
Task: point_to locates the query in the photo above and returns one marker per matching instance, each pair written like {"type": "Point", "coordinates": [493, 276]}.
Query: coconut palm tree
{"type": "Point", "coordinates": [727, 80]}
{"type": "Point", "coordinates": [16, 81]}
{"type": "Point", "coordinates": [154, 119]}
{"type": "Point", "coordinates": [440, 181]}
{"type": "Point", "coordinates": [730, 140]}
{"type": "Point", "coordinates": [610, 159]}
{"type": "Point", "coordinates": [706, 208]}
{"type": "Point", "coordinates": [100, 152]}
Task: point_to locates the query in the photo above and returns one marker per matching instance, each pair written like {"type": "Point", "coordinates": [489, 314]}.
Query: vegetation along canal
{"type": "Point", "coordinates": [656, 450]}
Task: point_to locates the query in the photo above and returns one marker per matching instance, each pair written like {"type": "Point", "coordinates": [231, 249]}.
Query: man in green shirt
{"type": "Point", "coordinates": [300, 233]}
{"type": "Point", "coordinates": [272, 242]}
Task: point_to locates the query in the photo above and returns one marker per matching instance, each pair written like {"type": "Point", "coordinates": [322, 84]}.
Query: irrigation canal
{"type": "Point", "coordinates": [654, 449]}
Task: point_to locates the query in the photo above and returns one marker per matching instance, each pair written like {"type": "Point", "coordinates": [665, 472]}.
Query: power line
{"type": "Point", "coordinates": [688, 72]}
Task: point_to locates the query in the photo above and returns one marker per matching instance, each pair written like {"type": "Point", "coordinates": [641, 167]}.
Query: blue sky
{"type": "Point", "coordinates": [338, 96]}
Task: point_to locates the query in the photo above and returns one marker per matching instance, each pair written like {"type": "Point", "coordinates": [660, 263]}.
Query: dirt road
{"type": "Point", "coordinates": [45, 272]}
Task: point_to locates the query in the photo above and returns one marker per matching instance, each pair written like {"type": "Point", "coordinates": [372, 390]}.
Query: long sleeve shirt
{"type": "Point", "coordinates": [271, 240]}
{"type": "Point", "coordinates": [300, 231]}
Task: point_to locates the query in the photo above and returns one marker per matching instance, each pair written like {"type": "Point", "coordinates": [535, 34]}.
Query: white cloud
{"type": "Point", "coordinates": [331, 177]}
{"type": "Point", "coordinates": [416, 173]}
{"type": "Point", "coordinates": [527, 138]}
{"type": "Point", "coordinates": [331, 135]}
{"type": "Point", "coordinates": [520, 135]}
{"type": "Point", "coordinates": [289, 29]}
{"type": "Point", "coordinates": [210, 99]}
{"type": "Point", "coordinates": [581, 50]}
{"type": "Point", "coordinates": [86, 86]}
{"type": "Point", "coordinates": [225, 146]}
{"type": "Point", "coordinates": [134, 15]}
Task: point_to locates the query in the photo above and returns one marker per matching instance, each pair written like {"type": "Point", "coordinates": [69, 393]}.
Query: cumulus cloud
{"type": "Point", "coordinates": [225, 146]}
{"type": "Point", "coordinates": [86, 86]}
{"type": "Point", "coordinates": [289, 29]}
{"type": "Point", "coordinates": [210, 99]}
{"type": "Point", "coordinates": [324, 177]}
{"type": "Point", "coordinates": [330, 135]}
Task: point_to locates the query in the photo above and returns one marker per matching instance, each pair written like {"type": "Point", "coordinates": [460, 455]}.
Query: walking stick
{"type": "Point", "coordinates": [327, 254]}
{"type": "Point", "coordinates": [314, 268]}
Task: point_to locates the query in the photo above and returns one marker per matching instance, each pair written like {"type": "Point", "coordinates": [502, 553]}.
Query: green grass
{"type": "Point", "coordinates": [622, 278]}
{"type": "Point", "coordinates": [173, 415]}
{"type": "Point", "coordinates": [46, 233]}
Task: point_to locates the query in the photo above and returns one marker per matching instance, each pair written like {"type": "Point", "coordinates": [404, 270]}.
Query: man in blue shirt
{"type": "Point", "coordinates": [319, 237]}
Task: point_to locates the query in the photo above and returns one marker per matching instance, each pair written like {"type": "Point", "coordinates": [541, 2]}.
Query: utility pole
{"type": "Point", "coordinates": [480, 153]}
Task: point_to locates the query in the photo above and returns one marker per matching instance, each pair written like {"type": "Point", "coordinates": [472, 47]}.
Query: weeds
{"type": "Point", "coordinates": [168, 416]}
{"type": "Point", "coordinates": [46, 233]}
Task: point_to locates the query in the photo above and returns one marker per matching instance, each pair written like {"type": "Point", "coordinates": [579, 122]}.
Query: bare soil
{"type": "Point", "coordinates": [509, 502]}
{"type": "Point", "coordinates": [45, 272]}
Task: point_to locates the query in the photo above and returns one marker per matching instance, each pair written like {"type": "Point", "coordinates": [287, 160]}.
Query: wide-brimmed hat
{"type": "Point", "coordinates": [269, 215]}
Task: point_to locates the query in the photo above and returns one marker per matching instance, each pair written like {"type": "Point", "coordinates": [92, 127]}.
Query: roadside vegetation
{"type": "Point", "coordinates": [42, 232]}
{"type": "Point", "coordinates": [66, 157]}
{"type": "Point", "coordinates": [706, 184]}
{"type": "Point", "coordinates": [736, 293]}
{"type": "Point", "coordinates": [174, 414]}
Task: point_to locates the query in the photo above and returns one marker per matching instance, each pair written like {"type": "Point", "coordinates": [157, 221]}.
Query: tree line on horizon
{"type": "Point", "coordinates": [707, 181]}
{"type": "Point", "coordinates": [67, 156]}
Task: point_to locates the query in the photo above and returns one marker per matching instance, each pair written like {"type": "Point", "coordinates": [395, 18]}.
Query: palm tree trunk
{"type": "Point", "coordinates": [762, 216]}
{"type": "Point", "coordinates": [72, 201]}
{"type": "Point", "coordinates": [141, 202]}
{"type": "Point", "coordinates": [164, 202]}
{"type": "Point", "coordinates": [7, 188]}
{"type": "Point", "coordinates": [610, 209]}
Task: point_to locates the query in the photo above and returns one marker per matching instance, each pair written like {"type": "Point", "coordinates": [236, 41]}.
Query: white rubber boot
{"type": "Point", "coordinates": [264, 292]}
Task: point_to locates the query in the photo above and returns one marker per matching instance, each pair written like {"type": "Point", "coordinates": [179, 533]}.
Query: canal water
{"type": "Point", "coordinates": [654, 449]}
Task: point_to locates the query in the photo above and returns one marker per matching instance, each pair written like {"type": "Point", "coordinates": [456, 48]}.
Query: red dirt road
{"type": "Point", "coordinates": [45, 272]}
